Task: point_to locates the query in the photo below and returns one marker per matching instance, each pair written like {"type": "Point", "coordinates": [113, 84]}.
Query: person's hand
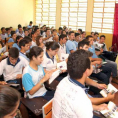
{"type": "Point", "coordinates": [2, 83]}
{"type": "Point", "coordinates": [101, 86]}
{"type": "Point", "coordinates": [110, 96]}
{"type": "Point", "coordinates": [98, 62]}
{"type": "Point", "coordinates": [101, 50]}
{"type": "Point", "coordinates": [102, 107]}
{"type": "Point", "coordinates": [47, 76]}
{"type": "Point", "coordinates": [19, 76]}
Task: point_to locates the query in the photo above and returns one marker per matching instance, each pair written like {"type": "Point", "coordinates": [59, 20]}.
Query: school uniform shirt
{"type": "Point", "coordinates": [19, 34]}
{"type": "Point", "coordinates": [3, 36]}
{"type": "Point", "coordinates": [92, 49]}
{"type": "Point", "coordinates": [76, 43]}
{"type": "Point", "coordinates": [62, 49]}
{"type": "Point", "coordinates": [10, 40]}
{"type": "Point", "coordinates": [24, 57]}
{"type": "Point", "coordinates": [48, 63]}
{"type": "Point", "coordinates": [16, 46]}
{"type": "Point", "coordinates": [70, 46]}
{"type": "Point", "coordinates": [50, 39]}
{"type": "Point", "coordinates": [9, 70]}
{"type": "Point", "coordinates": [32, 77]}
{"type": "Point", "coordinates": [33, 44]}
{"type": "Point", "coordinates": [29, 26]}
{"type": "Point", "coordinates": [70, 100]}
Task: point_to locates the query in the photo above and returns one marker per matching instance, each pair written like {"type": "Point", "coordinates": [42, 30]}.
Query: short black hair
{"type": "Point", "coordinates": [28, 39]}
{"type": "Point", "coordinates": [60, 28]}
{"type": "Point", "coordinates": [88, 36]}
{"type": "Point", "coordinates": [47, 29]}
{"type": "Point", "coordinates": [19, 26]}
{"type": "Point", "coordinates": [71, 32]}
{"type": "Point", "coordinates": [17, 38]}
{"type": "Point", "coordinates": [7, 29]}
{"type": "Point", "coordinates": [52, 45]}
{"type": "Point", "coordinates": [62, 36]}
{"type": "Point", "coordinates": [31, 22]}
{"type": "Point", "coordinates": [91, 33]}
{"type": "Point", "coordinates": [23, 42]}
{"type": "Point", "coordinates": [82, 43]}
{"type": "Point", "coordinates": [96, 33]}
{"type": "Point", "coordinates": [102, 36]}
{"type": "Point", "coordinates": [14, 52]}
{"type": "Point", "coordinates": [77, 64]}
{"type": "Point", "coordinates": [2, 28]}
{"type": "Point", "coordinates": [12, 33]}
{"type": "Point", "coordinates": [33, 33]}
{"type": "Point", "coordinates": [77, 34]}
{"type": "Point", "coordinates": [83, 32]}
{"type": "Point", "coordinates": [25, 30]}
{"type": "Point", "coordinates": [80, 30]}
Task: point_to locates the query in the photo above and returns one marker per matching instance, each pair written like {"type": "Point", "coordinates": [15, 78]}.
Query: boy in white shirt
{"type": "Point", "coordinates": [12, 67]}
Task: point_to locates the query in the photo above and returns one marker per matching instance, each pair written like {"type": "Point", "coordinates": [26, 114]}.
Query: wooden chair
{"type": "Point", "coordinates": [47, 109]}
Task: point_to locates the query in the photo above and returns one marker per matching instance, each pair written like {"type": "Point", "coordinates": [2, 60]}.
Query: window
{"type": "Point", "coordinates": [103, 16]}
{"type": "Point", "coordinates": [46, 12]}
{"type": "Point", "coordinates": [73, 14]}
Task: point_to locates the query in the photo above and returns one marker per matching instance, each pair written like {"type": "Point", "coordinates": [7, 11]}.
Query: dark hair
{"type": "Point", "coordinates": [10, 27]}
{"type": "Point", "coordinates": [77, 64]}
{"type": "Point", "coordinates": [37, 40]}
{"type": "Point", "coordinates": [2, 43]}
{"type": "Point", "coordinates": [23, 42]}
{"type": "Point", "coordinates": [54, 30]}
{"type": "Point", "coordinates": [63, 31]}
{"type": "Point", "coordinates": [91, 33]}
{"type": "Point", "coordinates": [12, 33]}
{"type": "Point", "coordinates": [83, 32]}
{"type": "Point", "coordinates": [60, 28]}
{"type": "Point", "coordinates": [96, 33]}
{"type": "Point", "coordinates": [77, 34]}
{"type": "Point", "coordinates": [34, 51]}
{"type": "Point", "coordinates": [14, 52]}
{"type": "Point", "coordinates": [83, 43]}
{"type": "Point", "coordinates": [102, 36]}
{"type": "Point", "coordinates": [71, 32]}
{"type": "Point", "coordinates": [33, 33]}
{"type": "Point", "coordinates": [19, 26]}
{"type": "Point", "coordinates": [88, 36]}
{"type": "Point", "coordinates": [62, 36]}
{"type": "Point", "coordinates": [24, 28]}
{"type": "Point", "coordinates": [28, 39]}
{"type": "Point", "coordinates": [36, 29]}
{"type": "Point", "coordinates": [31, 22]}
{"type": "Point", "coordinates": [80, 30]}
{"type": "Point", "coordinates": [7, 29]}
{"type": "Point", "coordinates": [2, 28]}
{"type": "Point", "coordinates": [47, 29]}
{"type": "Point", "coordinates": [52, 45]}
{"type": "Point", "coordinates": [9, 98]}
{"type": "Point", "coordinates": [17, 38]}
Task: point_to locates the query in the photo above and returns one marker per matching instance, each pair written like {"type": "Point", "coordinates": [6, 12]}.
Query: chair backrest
{"type": "Point", "coordinates": [47, 110]}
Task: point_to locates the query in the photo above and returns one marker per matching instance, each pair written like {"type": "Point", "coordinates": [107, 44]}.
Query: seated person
{"type": "Point", "coordinates": [73, 100]}
{"type": "Point", "coordinates": [19, 25]}
{"type": "Point", "coordinates": [3, 34]}
{"type": "Point", "coordinates": [83, 35]}
{"type": "Point", "coordinates": [104, 76]}
{"type": "Point", "coordinates": [12, 67]}
{"type": "Point", "coordinates": [26, 33]}
{"type": "Point", "coordinates": [39, 43]}
{"type": "Point", "coordinates": [37, 31]}
{"type": "Point", "coordinates": [34, 75]}
{"type": "Point", "coordinates": [77, 39]}
{"type": "Point", "coordinates": [63, 32]}
{"type": "Point", "coordinates": [30, 24]}
{"type": "Point", "coordinates": [9, 102]}
{"type": "Point", "coordinates": [13, 37]}
{"type": "Point", "coordinates": [8, 32]}
{"type": "Point", "coordinates": [70, 46]}
{"type": "Point", "coordinates": [34, 35]}
{"type": "Point", "coordinates": [18, 38]}
{"type": "Point", "coordinates": [30, 31]}
{"type": "Point", "coordinates": [48, 36]}
{"type": "Point", "coordinates": [62, 46]}
{"type": "Point", "coordinates": [59, 31]}
{"type": "Point", "coordinates": [55, 36]}
{"type": "Point", "coordinates": [20, 32]}
{"type": "Point", "coordinates": [24, 46]}
{"type": "Point", "coordinates": [96, 37]}
{"type": "Point", "coordinates": [109, 64]}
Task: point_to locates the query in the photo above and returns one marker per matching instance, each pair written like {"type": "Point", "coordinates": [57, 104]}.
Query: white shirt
{"type": "Point", "coordinates": [62, 50]}
{"type": "Point", "coordinates": [3, 36]}
{"type": "Point", "coordinates": [71, 101]}
{"type": "Point", "coordinates": [19, 34]}
{"type": "Point", "coordinates": [10, 71]}
{"type": "Point", "coordinates": [50, 39]}
{"type": "Point", "coordinates": [32, 77]}
{"type": "Point", "coordinates": [33, 44]}
{"type": "Point", "coordinates": [48, 63]}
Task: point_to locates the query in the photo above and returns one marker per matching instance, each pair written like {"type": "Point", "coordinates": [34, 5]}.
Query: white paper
{"type": "Point", "coordinates": [62, 65]}
{"type": "Point", "coordinates": [63, 56]}
{"type": "Point", "coordinates": [54, 76]}
{"type": "Point", "coordinates": [112, 112]}
{"type": "Point", "coordinates": [110, 88]}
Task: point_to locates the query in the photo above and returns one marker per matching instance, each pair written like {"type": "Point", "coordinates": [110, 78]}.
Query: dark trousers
{"type": "Point", "coordinates": [61, 76]}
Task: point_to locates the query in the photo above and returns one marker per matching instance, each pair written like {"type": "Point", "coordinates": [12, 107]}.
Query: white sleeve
{"type": "Point", "coordinates": [44, 61]}
{"type": "Point", "coordinates": [2, 65]}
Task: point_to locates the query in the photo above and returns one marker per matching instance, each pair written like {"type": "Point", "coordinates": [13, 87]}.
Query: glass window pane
{"type": "Point", "coordinates": [99, 20]}
{"type": "Point", "coordinates": [96, 25]}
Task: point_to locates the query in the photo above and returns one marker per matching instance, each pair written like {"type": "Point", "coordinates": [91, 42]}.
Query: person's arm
{"type": "Point", "coordinates": [96, 101]}
{"type": "Point", "coordinates": [100, 107]}
{"type": "Point", "coordinates": [1, 67]}
{"type": "Point", "coordinates": [56, 38]}
{"type": "Point", "coordinates": [46, 37]}
{"type": "Point", "coordinates": [89, 81]}
{"type": "Point", "coordinates": [96, 59]}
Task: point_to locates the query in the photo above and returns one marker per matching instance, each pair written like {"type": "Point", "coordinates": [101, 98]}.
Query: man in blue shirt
{"type": "Point", "coordinates": [70, 46]}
